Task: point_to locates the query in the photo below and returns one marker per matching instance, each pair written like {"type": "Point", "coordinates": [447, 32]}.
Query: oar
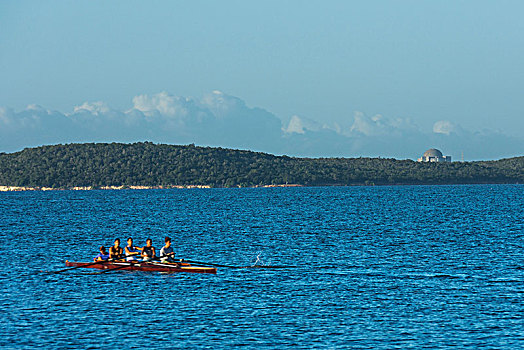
{"type": "Point", "coordinates": [238, 267]}
{"type": "Point", "coordinates": [210, 264]}
{"type": "Point", "coordinates": [90, 264]}
{"type": "Point", "coordinates": [109, 270]}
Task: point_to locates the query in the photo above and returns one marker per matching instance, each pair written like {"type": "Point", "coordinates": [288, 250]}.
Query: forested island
{"type": "Point", "coordinates": [148, 165]}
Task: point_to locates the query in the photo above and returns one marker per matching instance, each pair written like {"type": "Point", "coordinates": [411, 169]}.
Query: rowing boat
{"type": "Point", "coordinates": [143, 266]}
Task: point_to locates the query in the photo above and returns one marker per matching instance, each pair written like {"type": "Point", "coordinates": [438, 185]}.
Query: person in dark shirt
{"type": "Point", "coordinates": [102, 256]}
{"type": "Point", "coordinates": [148, 252]}
{"type": "Point", "coordinates": [116, 251]}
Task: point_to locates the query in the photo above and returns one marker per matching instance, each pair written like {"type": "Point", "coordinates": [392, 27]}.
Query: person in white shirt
{"type": "Point", "coordinates": [131, 251]}
{"type": "Point", "coordinates": [166, 253]}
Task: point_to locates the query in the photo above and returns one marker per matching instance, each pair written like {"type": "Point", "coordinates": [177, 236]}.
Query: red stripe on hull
{"type": "Point", "coordinates": [143, 266]}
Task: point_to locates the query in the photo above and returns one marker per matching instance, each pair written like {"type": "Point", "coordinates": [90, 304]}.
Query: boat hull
{"type": "Point", "coordinates": [143, 266]}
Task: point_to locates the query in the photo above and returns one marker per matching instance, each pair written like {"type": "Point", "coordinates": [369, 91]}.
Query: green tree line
{"type": "Point", "coordinates": [148, 164]}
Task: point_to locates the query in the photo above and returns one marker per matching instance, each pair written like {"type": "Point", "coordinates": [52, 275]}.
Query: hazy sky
{"type": "Point", "coordinates": [457, 63]}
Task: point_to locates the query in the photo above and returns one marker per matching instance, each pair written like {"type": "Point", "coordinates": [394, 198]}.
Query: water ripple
{"type": "Point", "coordinates": [376, 268]}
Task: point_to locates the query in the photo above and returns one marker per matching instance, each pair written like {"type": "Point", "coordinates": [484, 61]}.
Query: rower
{"type": "Point", "coordinates": [166, 253]}
{"type": "Point", "coordinates": [131, 251]}
{"type": "Point", "coordinates": [116, 251]}
{"type": "Point", "coordinates": [102, 256]}
{"type": "Point", "coordinates": [148, 252]}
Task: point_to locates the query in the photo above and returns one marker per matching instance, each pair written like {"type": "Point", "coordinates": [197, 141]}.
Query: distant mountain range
{"type": "Point", "coordinates": [145, 165]}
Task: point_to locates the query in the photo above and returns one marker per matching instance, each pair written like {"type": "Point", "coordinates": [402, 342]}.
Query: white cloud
{"type": "Point", "coordinates": [295, 126]}
{"type": "Point", "coordinates": [380, 125]}
{"type": "Point", "coordinates": [367, 126]}
{"type": "Point", "coordinates": [95, 108]}
{"type": "Point", "coordinates": [222, 105]}
{"type": "Point", "coordinates": [36, 108]}
{"type": "Point", "coordinates": [444, 127]}
{"type": "Point", "coordinates": [218, 119]}
{"type": "Point", "coordinates": [162, 103]}
{"type": "Point", "coordinates": [5, 117]}
{"type": "Point", "coordinates": [299, 125]}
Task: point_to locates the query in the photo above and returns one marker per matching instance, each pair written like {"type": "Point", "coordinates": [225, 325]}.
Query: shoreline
{"type": "Point", "coordinates": [92, 188]}
{"type": "Point", "coordinates": [105, 188]}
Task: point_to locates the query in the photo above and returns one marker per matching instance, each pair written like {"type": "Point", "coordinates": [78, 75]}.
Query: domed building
{"type": "Point", "coordinates": [434, 155]}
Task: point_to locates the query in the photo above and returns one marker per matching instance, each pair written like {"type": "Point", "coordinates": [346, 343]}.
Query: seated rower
{"type": "Point", "coordinates": [116, 251]}
{"type": "Point", "coordinates": [131, 251]}
{"type": "Point", "coordinates": [166, 253]}
{"type": "Point", "coordinates": [148, 252]}
{"type": "Point", "coordinates": [102, 256]}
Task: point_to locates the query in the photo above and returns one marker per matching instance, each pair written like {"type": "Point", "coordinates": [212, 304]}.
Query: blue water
{"type": "Point", "coordinates": [377, 268]}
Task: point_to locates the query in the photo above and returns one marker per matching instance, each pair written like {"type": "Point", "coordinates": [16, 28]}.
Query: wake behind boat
{"type": "Point", "coordinates": [149, 266]}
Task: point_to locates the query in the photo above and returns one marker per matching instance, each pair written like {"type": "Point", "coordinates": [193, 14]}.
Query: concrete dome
{"type": "Point", "coordinates": [433, 152]}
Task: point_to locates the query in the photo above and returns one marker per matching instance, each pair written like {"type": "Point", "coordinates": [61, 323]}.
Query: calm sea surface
{"type": "Point", "coordinates": [377, 268]}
